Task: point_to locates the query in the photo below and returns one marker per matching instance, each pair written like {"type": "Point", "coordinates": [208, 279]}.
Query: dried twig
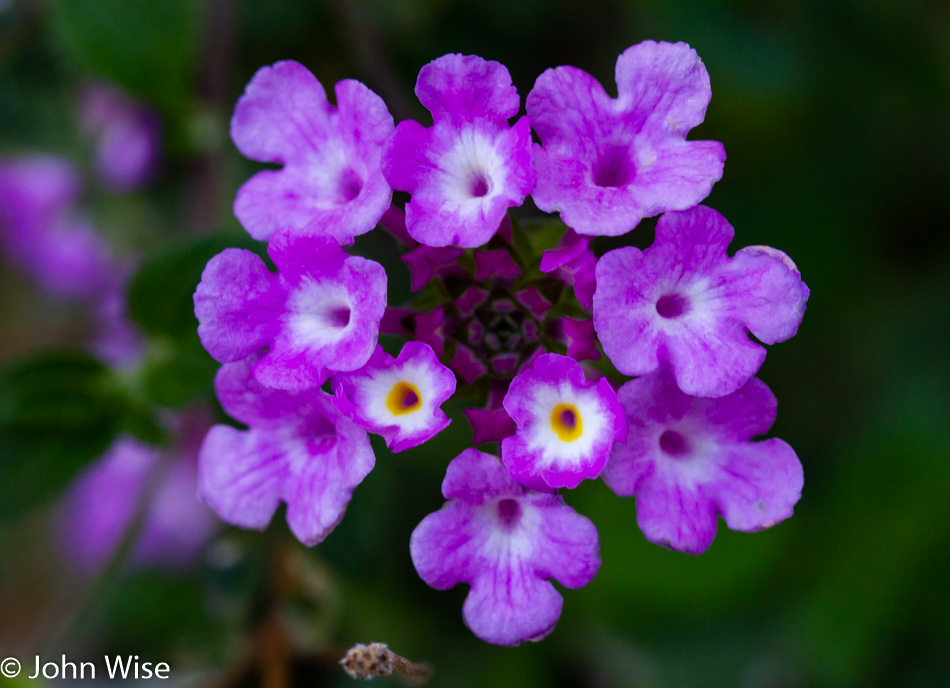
{"type": "Point", "coordinates": [376, 659]}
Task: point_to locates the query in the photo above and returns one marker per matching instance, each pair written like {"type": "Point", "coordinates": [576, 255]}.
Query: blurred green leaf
{"type": "Point", "coordinates": [148, 47]}
{"type": "Point", "coordinates": [58, 412]}
{"type": "Point", "coordinates": [160, 295]}
{"type": "Point", "coordinates": [158, 613]}
{"type": "Point", "coordinates": [181, 375]}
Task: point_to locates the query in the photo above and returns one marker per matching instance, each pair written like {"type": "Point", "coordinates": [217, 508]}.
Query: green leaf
{"type": "Point", "coordinates": [161, 293]}
{"type": "Point", "coordinates": [58, 412]}
{"type": "Point", "coordinates": [182, 374]}
{"type": "Point", "coordinates": [149, 47]}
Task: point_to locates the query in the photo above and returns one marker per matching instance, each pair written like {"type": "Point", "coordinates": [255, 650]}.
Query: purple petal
{"type": "Point", "coordinates": [581, 340]}
{"type": "Point", "coordinates": [329, 320]}
{"type": "Point", "coordinates": [566, 425]}
{"type": "Point", "coordinates": [399, 399]}
{"type": "Point", "coordinates": [241, 474]}
{"type": "Point", "coordinates": [465, 171]}
{"type": "Point", "coordinates": [509, 607]}
{"type": "Point", "coordinates": [759, 485]}
{"type": "Point", "coordinates": [467, 366]}
{"type": "Point", "coordinates": [571, 247]}
{"type": "Point", "coordinates": [471, 299]}
{"type": "Point", "coordinates": [441, 546]}
{"type": "Point", "coordinates": [394, 222]}
{"type": "Point", "coordinates": [330, 184]}
{"type": "Point", "coordinates": [495, 263]}
{"type": "Point", "coordinates": [474, 476]}
{"type": "Point", "coordinates": [463, 88]}
{"type": "Point", "coordinates": [248, 401]}
{"type": "Point", "coordinates": [238, 304]}
{"type": "Point", "coordinates": [685, 303]}
{"type": "Point", "coordinates": [462, 181]}
{"type": "Point", "coordinates": [666, 83]}
{"type": "Point", "coordinates": [428, 329]}
{"type": "Point", "coordinates": [41, 235]}
{"type": "Point", "coordinates": [321, 490]}
{"type": "Point", "coordinates": [506, 543]}
{"type": "Point", "coordinates": [312, 462]}
{"type": "Point", "coordinates": [606, 163]}
{"type": "Point", "coordinates": [424, 261]}
{"type": "Point", "coordinates": [532, 299]}
{"type": "Point", "coordinates": [687, 459]}
{"type": "Point", "coordinates": [675, 515]}
{"type": "Point", "coordinates": [489, 425]}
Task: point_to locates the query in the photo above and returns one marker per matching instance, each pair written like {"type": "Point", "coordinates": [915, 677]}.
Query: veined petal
{"type": "Point", "coordinates": [238, 304]}
{"type": "Point", "coordinates": [685, 303]}
{"type": "Point", "coordinates": [605, 163]}
{"type": "Point", "coordinates": [687, 459]}
{"type": "Point", "coordinates": [507, 543]}
{"type": "Point", "coordinates": [299, 449]}
{"type": "Point", "coordinates": [330, 184]}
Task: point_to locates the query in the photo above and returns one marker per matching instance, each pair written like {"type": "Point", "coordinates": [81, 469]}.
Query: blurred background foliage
{"type": "Point", "coordinates": [835, 115]}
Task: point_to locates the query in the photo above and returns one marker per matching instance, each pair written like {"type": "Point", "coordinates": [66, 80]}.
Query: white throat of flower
{"type": "Point", "coordinates": [320, 312]}
{"type": "Point", "coordinates": [472, 171]}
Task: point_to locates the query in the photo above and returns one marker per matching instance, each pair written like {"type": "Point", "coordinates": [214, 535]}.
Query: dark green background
{"type": "Point", "coordinates": [835, 116]}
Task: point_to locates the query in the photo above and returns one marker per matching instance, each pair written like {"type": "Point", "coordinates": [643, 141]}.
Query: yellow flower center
{"type": "Point", "coordinates": [566, 421]}
{"type": "Point", "coordinates": [403, 398]}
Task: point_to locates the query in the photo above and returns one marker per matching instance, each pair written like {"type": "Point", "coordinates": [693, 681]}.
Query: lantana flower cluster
{"type": "Point", "coordinates": [505, 316]}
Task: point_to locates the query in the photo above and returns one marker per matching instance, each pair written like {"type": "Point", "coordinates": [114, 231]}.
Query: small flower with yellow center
{"type": "Point", "coordinates": [398, 398]}
{"type": "Point", "coordinates": [566, 425]}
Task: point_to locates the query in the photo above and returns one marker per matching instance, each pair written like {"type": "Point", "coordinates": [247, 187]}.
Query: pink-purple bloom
{"type": "Point", "coordinates": [319, 315]}
{"type": "Point", "coordinates": [508, 543]}
{"type": "Point", "coordinates": [399, 398]}
{"type": "Point", "coordinates": [102, 504]}
{"type": "Point", "coordinates": [689, 459]}
{"type": "Point", "coordinates": [606, 163]}
{"type": "Point", "coordinates": [331, 183]}
{"type": "Point", "coordinates": [126, 135]}
{"type": "Point", "coordinates": [685, 303]}
{"type": "Point", "coordinates": [298, 449]}
{"type": "Point", "coordinates": [566, 425]}
{"type": "Point", "coordinates": [466, 170]}
{"type": "Point", "coordinates": [42, 232]}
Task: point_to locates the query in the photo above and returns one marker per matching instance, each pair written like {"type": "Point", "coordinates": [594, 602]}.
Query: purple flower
{"type": "Point", "coordinates": [470, 166]}
{"type": "Point", "coordinates": [507, 542]}
{"type": "Point", "coordinates": [607, 163]}
{"type": "Point", "coordinates": [117, 340]}
{"type": "Point", "coordinates": [398, 398]}
{"type": "Point", "coordinates": [687, 459]}
{"type": "Point", "coordinates": [41, 233]}
{"type": "Point", "coordinates": [574, 263]}
{"type": "Point", "coordinates": [127, 136]}
{"type": "Point", "coordinates": [685, 303]}
{"type": "Point", "coordinates": [298, 449]}
{"type": "Point", "coordinates": [566, 425]}
{"type": "Point", "coordinates": [319, 315]}
{"type": "Point", "coordinates": [101, 504]}
{"type": "Point", "coordinates": [330, 183]}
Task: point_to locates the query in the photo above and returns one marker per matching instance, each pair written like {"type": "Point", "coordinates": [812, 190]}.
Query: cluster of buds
{"type": "Point", "coordinates": [511, 318]}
